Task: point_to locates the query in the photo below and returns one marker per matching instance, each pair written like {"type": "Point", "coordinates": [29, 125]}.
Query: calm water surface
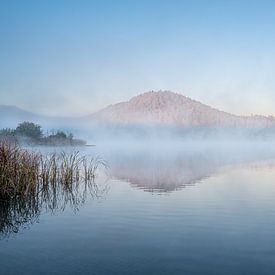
{"type": "Point", "coordinates": [157, 211]}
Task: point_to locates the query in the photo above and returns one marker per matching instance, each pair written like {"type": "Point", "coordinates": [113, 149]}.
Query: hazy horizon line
{"type": "Point", "coordinates": [124, 101]}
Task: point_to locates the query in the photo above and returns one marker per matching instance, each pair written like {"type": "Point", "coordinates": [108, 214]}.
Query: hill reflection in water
{"type": "Point", "coordinates": [151, 168]}
{"type": "Point", "coordinates": [161, 169]}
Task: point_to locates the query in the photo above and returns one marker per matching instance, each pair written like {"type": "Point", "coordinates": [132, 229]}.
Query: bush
{"type": "Point", "coordinates": [29, 129]}
{"type": "Point", "coordinates": [31, 133]}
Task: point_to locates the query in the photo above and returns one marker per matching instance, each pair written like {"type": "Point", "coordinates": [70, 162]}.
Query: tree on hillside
{"type": "Point", "coordinates": [29, 129]}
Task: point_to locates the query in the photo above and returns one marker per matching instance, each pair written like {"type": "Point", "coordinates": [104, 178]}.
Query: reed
{"type": "Point", "coordinates": [23, 172]}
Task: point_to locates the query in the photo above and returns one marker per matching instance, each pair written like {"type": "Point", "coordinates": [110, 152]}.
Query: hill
{"type": "Point", "coordinates": [12, 115]}
{"type": "Point", "coordinates": [168, 108]}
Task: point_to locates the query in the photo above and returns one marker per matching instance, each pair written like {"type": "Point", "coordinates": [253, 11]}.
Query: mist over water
{"type": "Point", "coordinates": [195, 207]}
{"type": "Point", "coordinates": [158, 161]}
{"type": "Point", "coordinates": [165, 158]}
{"type": "Point", "coordinates": [169, 201]}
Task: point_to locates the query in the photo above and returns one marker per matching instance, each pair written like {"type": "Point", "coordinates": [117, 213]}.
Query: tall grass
{"type": "Point", "coordinates": [23, 172]}
{"type": "Point", "coordinates": [31, 182]}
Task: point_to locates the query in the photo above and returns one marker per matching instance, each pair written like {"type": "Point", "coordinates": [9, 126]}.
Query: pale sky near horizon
{"type": "Point", "coordinates": [74, 57]}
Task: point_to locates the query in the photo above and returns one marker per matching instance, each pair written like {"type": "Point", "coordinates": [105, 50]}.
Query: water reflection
{"type": "Point", "coordinates": [168, 170]}
{"type": "Point", "coordinates": [154, 169]}
{"type": "Point", "coordinates": [18, 213]}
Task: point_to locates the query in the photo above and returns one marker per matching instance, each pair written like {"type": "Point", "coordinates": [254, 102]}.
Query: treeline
{"type": "Point", "coordinates": [31, 133]}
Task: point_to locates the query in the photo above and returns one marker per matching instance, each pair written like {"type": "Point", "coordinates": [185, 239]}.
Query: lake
{"type": "Point", "coordinates": [191, 208]}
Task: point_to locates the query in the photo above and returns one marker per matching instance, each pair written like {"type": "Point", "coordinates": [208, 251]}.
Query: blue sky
{"type": "Point", "coordinates": [74, 57]}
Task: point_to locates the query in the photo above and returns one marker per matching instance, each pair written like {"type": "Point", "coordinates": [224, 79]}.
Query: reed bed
{"type": "Point", "coordinates": [23, 172]}
{"type": "Point", "coordinates": [31, 182]}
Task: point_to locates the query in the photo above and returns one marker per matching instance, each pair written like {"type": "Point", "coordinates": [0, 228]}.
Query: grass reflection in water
{"type": "Point", "coordinates": [31, 182]}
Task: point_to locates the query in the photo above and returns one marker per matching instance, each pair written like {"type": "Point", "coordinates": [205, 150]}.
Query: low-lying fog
{"type": "Point", "coordinates": [96, 133]}
{"type": "Point", "coordinates": [167, 164]}
{"type": "Point", "coordinates": [167, 158]}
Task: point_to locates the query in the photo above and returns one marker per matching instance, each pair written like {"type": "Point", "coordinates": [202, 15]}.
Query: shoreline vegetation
{"type": "Point", "coordinates": [32, 134]}
{"type": "Point", "coordinates": [23, 172]}
{"type": "Point", "coordinates": [31, 181]}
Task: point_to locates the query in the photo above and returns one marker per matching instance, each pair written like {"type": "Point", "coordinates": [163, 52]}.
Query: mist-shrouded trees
{"type": "Point", "coordinates": [60, 137]}
{"type": "Point", "coordinates": [29, 129]}
{"type": "Point", "coordinates": [29, 132]}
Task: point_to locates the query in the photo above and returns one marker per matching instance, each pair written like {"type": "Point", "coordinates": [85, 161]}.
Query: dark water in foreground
{"type": "Point", "coordinates": [159, 212]}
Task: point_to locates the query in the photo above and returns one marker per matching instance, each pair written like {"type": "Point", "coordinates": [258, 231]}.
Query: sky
{"type": "Point", "coordinates": [75, 57]}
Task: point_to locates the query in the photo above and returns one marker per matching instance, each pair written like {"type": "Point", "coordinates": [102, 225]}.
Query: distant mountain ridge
{"type": "Point", "coordinates": [163, 108]}
{"type": "Point", "coordinates": [11, 115]}
{"type": "Point", "coordinates": [14, 110]}
{"type": "Point", "coordinates": [168, 108]}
